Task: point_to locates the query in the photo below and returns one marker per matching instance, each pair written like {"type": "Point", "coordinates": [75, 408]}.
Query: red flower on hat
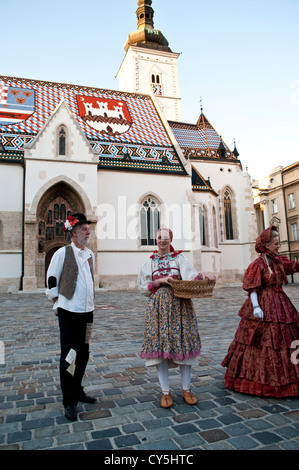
{"type": "Point", "coordinates": [70, 223]}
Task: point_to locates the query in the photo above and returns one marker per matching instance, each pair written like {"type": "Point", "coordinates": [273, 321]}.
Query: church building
{"type": "Point", "coordinates": [127, 160]}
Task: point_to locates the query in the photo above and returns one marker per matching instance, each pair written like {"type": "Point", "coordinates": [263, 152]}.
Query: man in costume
{"type": "Point", "coordinates": [71, 288]}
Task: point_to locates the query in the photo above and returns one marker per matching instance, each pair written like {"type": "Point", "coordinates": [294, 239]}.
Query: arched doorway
{"type": "Point", "coordinates": [55, 206]}
{"type": "Point", "coordinates": [48, 258]}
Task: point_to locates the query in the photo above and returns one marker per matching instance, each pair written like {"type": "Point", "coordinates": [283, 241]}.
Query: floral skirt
{"type": "Point", "coordinates": [171, 330]}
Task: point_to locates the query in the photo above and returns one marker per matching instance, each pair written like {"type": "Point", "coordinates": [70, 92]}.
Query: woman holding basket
{"type": "Point", "coordinates": [171, 336]}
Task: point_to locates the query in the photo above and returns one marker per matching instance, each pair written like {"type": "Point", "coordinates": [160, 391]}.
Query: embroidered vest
{"type": "Point", "coordinates": [68, 279]}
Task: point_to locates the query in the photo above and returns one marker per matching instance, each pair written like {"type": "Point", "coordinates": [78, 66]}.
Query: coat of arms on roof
{"type": "Point", "coordinates": [16, 104]}
{"type": "Point", "coordinates": [107, 116]}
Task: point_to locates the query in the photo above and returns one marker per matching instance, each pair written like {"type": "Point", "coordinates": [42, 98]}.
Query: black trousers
{"type": "Point", "coordinates": [75, 333]}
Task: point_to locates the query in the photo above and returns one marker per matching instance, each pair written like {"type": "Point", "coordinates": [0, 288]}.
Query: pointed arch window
{"type": "Point", "coordinates": [215, 228]}
{"type": "Point", "coordinates": [155, 78]}
{"type": "Point", "coordinates": [62, 211]}
{"type": "Point", "coordinates": [62, 138]}
{"type": "Point", "coordinates": [50, 217]}
{"type": "Point", "coordinates": [149, 221]}
{"type": "Point", "coordinates": [56, 211]}
{"type": "Point", "coordinates": [228, 216]}
{"type": "Point", "coordinates": [156, 83]}
{"type": "Point", "coordinates": [203, 225]}
{"type": "Point", "coordinates": [62, 142]}
{"type": "Point", "coordinates": [51, 223]}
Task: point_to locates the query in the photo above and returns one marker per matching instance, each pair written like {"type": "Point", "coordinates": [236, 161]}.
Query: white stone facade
{"type": "Point", "coordinates": [137, 69]}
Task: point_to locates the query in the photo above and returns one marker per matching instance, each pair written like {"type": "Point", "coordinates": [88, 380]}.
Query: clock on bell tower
{"type": "Point", "coordinates": [157, 89]}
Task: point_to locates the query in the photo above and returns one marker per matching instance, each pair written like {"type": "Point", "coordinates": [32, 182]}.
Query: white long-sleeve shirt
{"type": "Point", "coordinates": [83, 298]}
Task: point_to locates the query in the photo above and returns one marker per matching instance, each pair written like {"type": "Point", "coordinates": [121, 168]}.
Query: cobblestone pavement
{"type": "Point", "coordinates": [128, 413]}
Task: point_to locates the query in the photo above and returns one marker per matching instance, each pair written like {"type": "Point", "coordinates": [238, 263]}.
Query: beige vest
{"type": "Point", "coordinates": [68, 279]}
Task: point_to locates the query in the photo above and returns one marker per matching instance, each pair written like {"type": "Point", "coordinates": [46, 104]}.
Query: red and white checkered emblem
{"type": "Point", "coordinates": [16, 104]}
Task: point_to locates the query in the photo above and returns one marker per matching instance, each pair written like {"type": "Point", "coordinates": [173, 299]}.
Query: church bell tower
{"type": "Point", "coordinates": [149, 65]}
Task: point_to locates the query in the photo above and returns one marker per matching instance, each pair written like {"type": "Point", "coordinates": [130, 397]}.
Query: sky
{"type": "Point", "coordinates": [240, 57]}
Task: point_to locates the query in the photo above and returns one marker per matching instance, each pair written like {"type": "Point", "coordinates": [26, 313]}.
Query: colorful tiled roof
{"type": "Point", "coordinates": [293, 166]}
{"type": "Point", "coordinates": [124, 128]}
{"type": "Point", "coordinates": [199, 183]}
{"type": "Point", "coordinates": [200, 140]}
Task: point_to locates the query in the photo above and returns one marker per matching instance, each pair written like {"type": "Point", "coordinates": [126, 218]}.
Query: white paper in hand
{"type": "Point", "coordinates": [70, 358]}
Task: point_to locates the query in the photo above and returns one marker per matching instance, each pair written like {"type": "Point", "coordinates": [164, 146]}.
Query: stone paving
{"type": "Point", "coordinates": [128, 415]}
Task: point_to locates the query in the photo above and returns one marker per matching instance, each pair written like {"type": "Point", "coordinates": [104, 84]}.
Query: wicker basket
{"type": "Point", "coordinates": [192, 289]}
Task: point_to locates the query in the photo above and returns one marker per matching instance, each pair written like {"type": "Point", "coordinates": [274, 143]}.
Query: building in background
{"type": "Point", "coordinates": [276, 201]}
{"type": "Point", "coordinates": [127, 161]}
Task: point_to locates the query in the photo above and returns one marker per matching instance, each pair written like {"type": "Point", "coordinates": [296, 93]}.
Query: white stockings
{"type": "Point", "coordinates": [186, 376]}
{"type": "Point", "coordinates": [162, 370]}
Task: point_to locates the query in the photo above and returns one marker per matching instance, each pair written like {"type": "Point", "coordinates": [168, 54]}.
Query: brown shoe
{"type": "Point", "coordinates": [189, 397]}
{"type": "Point", "coordinates": [166, 400]}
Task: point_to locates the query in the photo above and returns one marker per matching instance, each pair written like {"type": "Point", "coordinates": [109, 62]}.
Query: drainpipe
{"type": "Point", "coordinates": [23, 225]}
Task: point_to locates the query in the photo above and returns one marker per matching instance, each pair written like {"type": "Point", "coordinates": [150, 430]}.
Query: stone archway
{"type": "Point", "coordinates": [55, 206]}
{"type": "Point", "coordinates": [48, 258]}
{"type": "Point", "coordinates": [44, 234]}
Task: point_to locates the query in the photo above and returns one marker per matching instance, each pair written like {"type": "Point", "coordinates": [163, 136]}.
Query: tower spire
{"type": "Point", "coordinates": [145, 14]}
{"type": "Point", "coordinates": [146, 35]}
{"type": "Point", "coordinates": [149, 65]}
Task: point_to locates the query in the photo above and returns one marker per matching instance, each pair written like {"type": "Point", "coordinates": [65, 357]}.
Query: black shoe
{"type": "Point", "coordinates": [86, 398]}
{"type": "Point", "coordinates": [71, 412]}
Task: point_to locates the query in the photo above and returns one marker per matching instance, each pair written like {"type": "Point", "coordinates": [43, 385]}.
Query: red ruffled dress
{"type": "Point", "coordinates": [262, 358]}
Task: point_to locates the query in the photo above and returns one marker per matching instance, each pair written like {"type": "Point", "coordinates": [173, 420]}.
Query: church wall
{"type": "Point", "coordinates": [210, 260]}
{"type": "Point", "coordinates": [206, 256]}
{"type": "Point", "coordinates": [43, 174]}
{"type": "Point", "coordinates": [233, 263]}
{"type": "Point", "coordinates": [11, 206]}
{"type": "Point", "coordinates": [120, 254]}
{"type": "Point", "coordinates": [126, 73]}
{"type": "Point", "coordinates": [238, 253]}
{"type": "Point", "coordinates": [45, 146]}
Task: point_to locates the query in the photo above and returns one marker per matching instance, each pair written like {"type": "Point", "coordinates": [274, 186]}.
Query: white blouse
{"type": "Point", "coordinates": [83, 298]}
{"type": "Point", "coordinates": [175, 265]}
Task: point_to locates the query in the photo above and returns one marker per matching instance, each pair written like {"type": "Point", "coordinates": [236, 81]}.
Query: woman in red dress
{"type": "Point", "coordinates": [261, 360]}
